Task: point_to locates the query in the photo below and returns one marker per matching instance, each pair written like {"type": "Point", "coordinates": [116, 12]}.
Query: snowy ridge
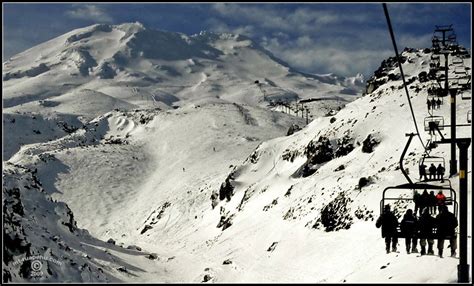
{"type": "Point", "coordinates": [90, 71]}
{"type": "Point", "coordinates": [214, 191]}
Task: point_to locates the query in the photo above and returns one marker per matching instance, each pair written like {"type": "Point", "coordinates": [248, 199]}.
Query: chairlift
{"type": "Point", "coordinates": [458, 61]}
{"type": "Point", "coordinates": [460, 70]}
{"type": "Point", "coordinates": [435, 91]}
{"type": "Point", "coordinates": [401, 197]}
{"type": "Point", "coordinates": [436, 120]}
{"type": "Point", "coordinates": [435, 161]}
{"type": "Point", "coordinates": [430, 145]}
{"type": "Point", "coordinates": [465, 95]}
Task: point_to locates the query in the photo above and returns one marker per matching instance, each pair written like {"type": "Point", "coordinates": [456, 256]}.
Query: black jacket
{"type": "Point", "coordinates": [446, 223]}
{"type": "Point", "coordinates": [409, 226]}
{"type": "Point", "coordinates": [389, 222]}
{"type": "Point", "coordinates": [426, 225]}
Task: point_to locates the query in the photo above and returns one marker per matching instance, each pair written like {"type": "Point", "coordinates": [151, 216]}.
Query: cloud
{"type": "Point", "coordinates": [314, 56]}
{"type": "Point", "coordinates": [312, 38]}
{"type": "Point", "coordinates": [90, 12]}
{"type": "Point", "coordinates": [218, 26]}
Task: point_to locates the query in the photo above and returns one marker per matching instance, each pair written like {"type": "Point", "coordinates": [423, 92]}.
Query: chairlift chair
{"type": "Point", "coordinates": [435, 119]}
{"type": "Point", "coordinates": [458, 61]}
{"type": "Point", "coordinates": [436, 161]}
{"type": "Point", "coordinates": [460, 70]}
{"type": "Point", "coordinates": [404, 193]}
{"type": "Point", "coordinates": [465, 95]}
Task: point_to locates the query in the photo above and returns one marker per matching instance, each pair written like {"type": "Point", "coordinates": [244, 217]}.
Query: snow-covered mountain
{"type": "Point", "coordinates": [90, 71]}
{"type": "Point", "coordinates": [212, 191]}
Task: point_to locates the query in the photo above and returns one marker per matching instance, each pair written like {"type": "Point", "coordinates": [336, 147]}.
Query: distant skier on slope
{"type": "Point", "coordinates": [389, 222]}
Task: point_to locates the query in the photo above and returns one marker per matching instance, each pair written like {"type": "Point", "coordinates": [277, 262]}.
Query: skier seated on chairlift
{"type": "Point", "coordinates": [424, 201]}
{"type": "Point", "coordinates": [440, 199]}
{"type": "Point", "coordinates": [433, 103]}
{"type": "Point", "coordinates": [422, 170]}
{"type": "Point", "coordinates": [440, 172]}
{"type": "Point", "coordinates": [389, 222]}
{"type": "Point", "coordinates": [426, 225]}
{"type": "Point", "coordinates": [428, 102]}
{"type": "Point", "coordinates": [432, 171]}
{"type": "Point", "coordinates": [438, 103]}
{"type": "Point", "coordinates": [446, 222]}
{"type": "Point", "coordinates": [416, 200]}
{"type": "Point", "coordinates": [409, 227]}
{"type": "Point", "coordinates": [432, 203]}
{"type": "Point", "coordinates": [432, 126]}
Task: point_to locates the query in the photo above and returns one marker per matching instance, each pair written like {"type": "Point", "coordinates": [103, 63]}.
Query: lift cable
{"type": "Point", "coordinates": [401, 72]}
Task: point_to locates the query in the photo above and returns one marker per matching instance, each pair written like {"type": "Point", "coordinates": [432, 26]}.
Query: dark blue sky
{"type": "Point", "coordinates": [319, 38]}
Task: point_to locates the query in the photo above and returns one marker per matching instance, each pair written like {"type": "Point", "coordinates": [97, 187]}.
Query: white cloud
{"type": "Point", "coordinates": [90, 12]}
{"type": "Point", "coordinates": [315, 39]}
{"type": "Point", "coordinates": [312, 56]}
{"type": "Point", "coordinates": [219, 26]}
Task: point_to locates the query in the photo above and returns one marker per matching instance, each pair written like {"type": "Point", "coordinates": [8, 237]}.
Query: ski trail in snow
{"type": "Point", "coordinates": [203, 79]}
{"type": "Point", "coordinates": [249, 120]}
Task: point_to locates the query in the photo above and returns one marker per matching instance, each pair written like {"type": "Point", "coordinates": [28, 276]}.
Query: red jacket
{"type": "Point", "coordinates": [440, 199]}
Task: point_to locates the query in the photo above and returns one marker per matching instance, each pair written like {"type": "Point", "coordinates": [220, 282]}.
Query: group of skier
{"type": "Point", "coordinates": [426, 228]}
{"type": "Point", "coordinates": [429, 201]}
{"type": "Point", "coordinates": [435, 173]}
{"type": "Point", "coordinates": [433, 104]}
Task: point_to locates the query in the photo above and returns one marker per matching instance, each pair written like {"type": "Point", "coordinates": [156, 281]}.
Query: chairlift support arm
{"type": "Point", "coordinates": [410, 137]}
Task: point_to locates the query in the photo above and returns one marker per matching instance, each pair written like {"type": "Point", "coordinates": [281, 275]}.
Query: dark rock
{"type": "Point", "coordinates": [293, 128]}
{"type": "Point", "coordinates": [344, 146]}
{"type": "Point", "coordinates": [341, 167]}
{"type": "Point", "coordinates": [207, 277]}
{"type": "Point", "coordinates": [369, 144]}
{"type": "Point", "coordinates": [147, 227]}
{"type": "Point", "coordinates": [134, 247]}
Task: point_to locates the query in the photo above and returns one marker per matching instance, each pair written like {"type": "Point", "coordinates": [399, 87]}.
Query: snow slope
{"type": "Point", "coordinates": [154, 177]}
